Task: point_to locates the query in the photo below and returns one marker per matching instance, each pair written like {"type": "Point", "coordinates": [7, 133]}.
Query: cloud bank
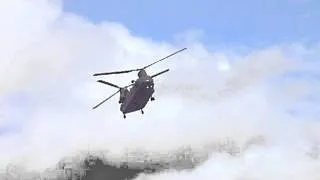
{"type": "Point", "coordinates": [47, 92]}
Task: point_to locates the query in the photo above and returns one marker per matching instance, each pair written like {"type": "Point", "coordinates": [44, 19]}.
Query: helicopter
{"type": "Point", "coordinates": [141, 91]}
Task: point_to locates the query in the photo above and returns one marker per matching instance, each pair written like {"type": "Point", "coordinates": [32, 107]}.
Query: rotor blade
{"type": "Point", "coordinates": [115, 72]}
{"type": "Point", "coordinates": [128, 71]}
{"type": "Point", "coordinates": [106, 99]}
{"type": "Point", "coordinates": [165, 57]}
{"type": "Point", "coordinates": [129, 85]}
{"type": "Point", "coordinates": [159, 73]}
{"type": "Point", "coordinates": [107, 83]}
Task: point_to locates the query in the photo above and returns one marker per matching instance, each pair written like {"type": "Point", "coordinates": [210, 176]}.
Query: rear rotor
{"type": "Point", "coordinates": [139, 69]}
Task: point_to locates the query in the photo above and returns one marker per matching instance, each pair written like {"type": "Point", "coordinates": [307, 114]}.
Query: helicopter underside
{"type": "Point", "coordinates": [136, 100]}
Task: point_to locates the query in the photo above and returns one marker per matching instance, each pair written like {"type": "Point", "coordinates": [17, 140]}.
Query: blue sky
{"type": "Point", "coordinates": [246, 22]}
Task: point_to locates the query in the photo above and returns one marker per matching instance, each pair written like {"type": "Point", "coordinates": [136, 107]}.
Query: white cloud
{"type": "Point", "coordinates": [52, 55]}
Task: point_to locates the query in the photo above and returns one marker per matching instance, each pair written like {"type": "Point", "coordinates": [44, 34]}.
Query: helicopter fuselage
{"type": "Point", "coordinates": [138, 95]}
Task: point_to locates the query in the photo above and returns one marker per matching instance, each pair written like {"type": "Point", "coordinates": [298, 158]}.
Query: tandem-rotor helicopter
{"type": "Point", "coordinates": [137, 97]}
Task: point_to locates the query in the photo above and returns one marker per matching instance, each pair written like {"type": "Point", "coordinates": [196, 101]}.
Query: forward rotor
{"type": "Point", "coordinates": [113, 85]}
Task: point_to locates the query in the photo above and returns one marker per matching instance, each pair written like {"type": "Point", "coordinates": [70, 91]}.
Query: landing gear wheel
{"type": "Point", "coordinates": [152, 99]}
{"type": "Point", "coordinates": [142, 111]}
{"type": "Point", "coordinates": [124, 116]}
